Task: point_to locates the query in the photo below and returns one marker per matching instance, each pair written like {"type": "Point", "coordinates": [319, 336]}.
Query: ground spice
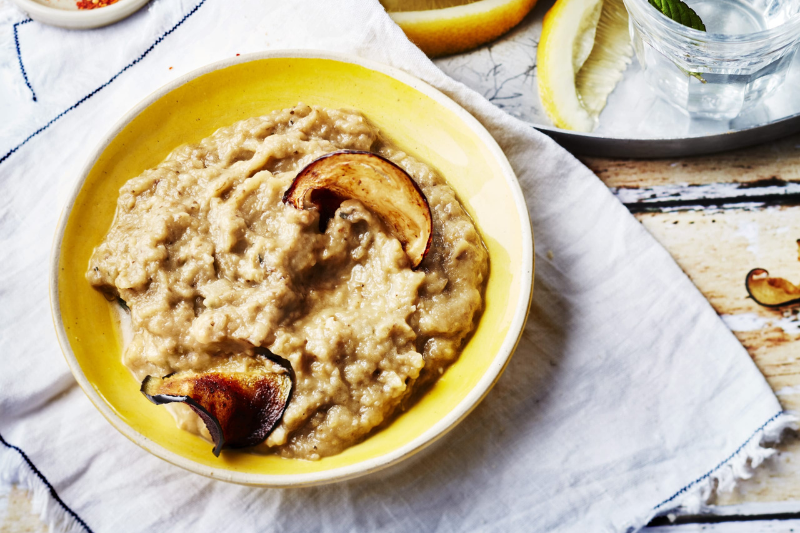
{"type": "Point", "coordinates": [93, 4]}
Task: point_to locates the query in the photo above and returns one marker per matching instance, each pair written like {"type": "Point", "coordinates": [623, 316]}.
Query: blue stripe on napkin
{"type": "Point", "coordinates": [723, 463]}
{"type": "Point", "coordinates": [114, 77]}
{"type": "Point", "coordinates": [19, 56]}
{"type": "Point", "coordinates": [50, 488]}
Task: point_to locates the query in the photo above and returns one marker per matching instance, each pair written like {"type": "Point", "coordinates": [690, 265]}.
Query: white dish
{"type": "Point", "coordinates": [65, 13]}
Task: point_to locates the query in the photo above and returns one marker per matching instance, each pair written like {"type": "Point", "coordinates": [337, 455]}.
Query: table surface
{"type": "Point", "coordinates": [719, 216]}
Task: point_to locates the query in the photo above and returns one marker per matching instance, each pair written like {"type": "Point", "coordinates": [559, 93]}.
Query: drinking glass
{"type": "Point", "coordinates": [742, 57]}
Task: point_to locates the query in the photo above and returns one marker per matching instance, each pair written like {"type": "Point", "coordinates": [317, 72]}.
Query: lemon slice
{"type": "Point", "coordinates": [443, 27]}
{"type": "Point", "coordinates": [583, 51]}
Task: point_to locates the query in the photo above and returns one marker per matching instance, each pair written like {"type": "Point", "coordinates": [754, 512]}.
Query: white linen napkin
{"type": "Point", "coordinates": [626, 397]}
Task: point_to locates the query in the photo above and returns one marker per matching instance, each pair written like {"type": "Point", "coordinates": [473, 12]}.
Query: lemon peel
{"type": "Point", "coordinates": [583, 52]}
{"type": "Point", "coordinates": [444, 27]}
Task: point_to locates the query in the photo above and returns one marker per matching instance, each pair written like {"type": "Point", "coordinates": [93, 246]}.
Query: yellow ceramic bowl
{"type": "Point", "coordinates": [416, 117]}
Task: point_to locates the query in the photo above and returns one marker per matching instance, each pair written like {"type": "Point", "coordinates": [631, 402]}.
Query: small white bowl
{"type": "Point", "coordinates": [65, 13]}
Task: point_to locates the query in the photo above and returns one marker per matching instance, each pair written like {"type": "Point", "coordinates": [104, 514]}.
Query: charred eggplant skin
{"type": "Point", "coordinates": [212, 424]}
{"type": "Point", "coordinates": [770, 292]}
{"type": "Point", "coordinates": [394, 197]}
{"type": "Point", "coordinates": [240, 409]}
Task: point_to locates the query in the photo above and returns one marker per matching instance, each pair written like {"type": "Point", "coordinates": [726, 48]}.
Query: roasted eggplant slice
{"type": "Point", "coordinates": [240, 409]}
{"type": "Point", "coordinates": [383, 187]}
{"type": "Point", "coordinates": [771, 292]}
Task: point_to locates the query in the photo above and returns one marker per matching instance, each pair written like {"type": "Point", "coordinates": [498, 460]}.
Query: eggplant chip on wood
{"type": "Point", "coordinates": [383, 187]}
{"type": "Point", "coordinates": [771, 292]}
{"type": "Point", "coordinates": [240, 409]}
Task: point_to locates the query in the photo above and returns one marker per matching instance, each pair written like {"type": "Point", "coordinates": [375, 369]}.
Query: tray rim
{"type": "Point", "coordinates": [597, 145]}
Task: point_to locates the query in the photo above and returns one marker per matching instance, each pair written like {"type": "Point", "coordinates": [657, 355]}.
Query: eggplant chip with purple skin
{"type": "Point", "coordinates": [383, 187]}
{"type": "Point", "coordinates": [771, 292]}
{"type": "Point", "coordinates": [240, 409]}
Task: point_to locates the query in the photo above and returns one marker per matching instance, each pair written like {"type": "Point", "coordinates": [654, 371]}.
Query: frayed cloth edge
{"type": "Point", "coordinates": [693, 498]}
{"type": "Point", "coordinates": [15, 469]}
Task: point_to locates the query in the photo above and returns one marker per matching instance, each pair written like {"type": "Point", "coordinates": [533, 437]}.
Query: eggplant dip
{"type": "Point", "coordinates": [292, 280]}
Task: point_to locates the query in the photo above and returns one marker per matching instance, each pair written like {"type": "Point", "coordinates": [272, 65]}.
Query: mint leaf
{"type": "Point", "coordinates": [678, 11]}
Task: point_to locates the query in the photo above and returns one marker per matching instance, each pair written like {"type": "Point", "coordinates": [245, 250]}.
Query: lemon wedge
{"type": "Point", "coordinates": [584, 49]}
{"type": "Point", "coordinates": [444, 27]}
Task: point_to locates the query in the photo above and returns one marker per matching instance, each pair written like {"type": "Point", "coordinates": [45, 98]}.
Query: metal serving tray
{"type": "Point", "coordinates": [635, 123]}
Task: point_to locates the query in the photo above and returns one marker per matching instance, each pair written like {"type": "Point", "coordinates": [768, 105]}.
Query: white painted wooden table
{"type": "Point", "coordinates": [720, 216]}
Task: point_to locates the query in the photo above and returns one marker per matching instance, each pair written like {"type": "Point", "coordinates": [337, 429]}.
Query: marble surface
{"type": "Point", "coordinates": [504, 71]}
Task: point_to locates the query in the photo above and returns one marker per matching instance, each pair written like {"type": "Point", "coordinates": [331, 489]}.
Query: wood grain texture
{"type": "Point", "coordinates": [752, 164]}
{"type": "Point", "coordinates": [716, 246]}
{"type": "Point", "coordinates": [757, 526]}
{"type": "Point", "coordinates": [716, 249]}
{"type": "Point", "coordinates": [16, 514]}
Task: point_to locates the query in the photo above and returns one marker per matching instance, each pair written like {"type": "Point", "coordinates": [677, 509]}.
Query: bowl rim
{"type": "Point", "coordinates": [439, 428]}
{"type": "Point", "coordinates": [81, 18]}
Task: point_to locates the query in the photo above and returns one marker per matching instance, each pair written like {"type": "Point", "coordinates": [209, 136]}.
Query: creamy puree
{"type": "Point", "coordinates": [211, 263]}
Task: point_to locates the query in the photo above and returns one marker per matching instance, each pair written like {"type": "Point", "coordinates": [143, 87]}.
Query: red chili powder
{"type": "Point", "coordinates": [94, 4]}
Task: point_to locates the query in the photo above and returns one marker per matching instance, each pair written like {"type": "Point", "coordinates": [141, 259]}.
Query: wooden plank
{"type": "Point", "coordinates": [752, 164]}
{"type": "Point", "coordinates": [720, 216]}
{"type": "Point", "coordinates": [759, 526]}
{"type": "Point", "coordinates": [716, 248]}
{"type": "Point", "coordinates": [16, 514]}
{"type": "Point", "coordinates": [683, 197]}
